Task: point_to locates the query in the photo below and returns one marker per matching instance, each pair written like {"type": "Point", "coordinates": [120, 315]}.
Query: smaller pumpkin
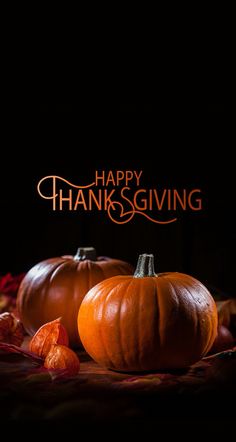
{"type": "Point", "coordinates": [56, 287]}
{"type": "Point", "coordinates": [148, 321]}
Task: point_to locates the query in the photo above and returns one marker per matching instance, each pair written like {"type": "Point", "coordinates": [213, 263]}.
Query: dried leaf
{"type": "Point", "coordinates": [10, 348]}
{"type": "Point", "coordinates": [11, 329]}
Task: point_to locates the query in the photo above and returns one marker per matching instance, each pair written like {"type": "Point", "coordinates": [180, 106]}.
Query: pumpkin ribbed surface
{"type": "Point", "coordinates": [56, 287]}
{"type": "Point", "coordinates": [166, 321]}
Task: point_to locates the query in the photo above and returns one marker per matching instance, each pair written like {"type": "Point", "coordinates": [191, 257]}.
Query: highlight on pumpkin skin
{"type": "Point", "coordinates": [148, 322]}
{"type": "Point", "coordinates": [56, 287]}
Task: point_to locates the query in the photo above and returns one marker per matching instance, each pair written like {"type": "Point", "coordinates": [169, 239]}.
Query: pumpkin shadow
{"type": "Point", "coordinates": [176, 372]}
{"type": "Point", "coordinates": [83, 356]}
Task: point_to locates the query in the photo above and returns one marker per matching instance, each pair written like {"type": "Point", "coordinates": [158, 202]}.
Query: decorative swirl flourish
{"type": "Point", "coordinates": [122, 214]}
{"type": "Point", "coordinates": [55, 177]}
{"type": "Point", "coordinates": [132, 213]}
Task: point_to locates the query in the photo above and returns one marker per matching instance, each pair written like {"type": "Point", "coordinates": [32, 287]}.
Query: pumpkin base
{"type": "Point", "coordinates": [179, 371]}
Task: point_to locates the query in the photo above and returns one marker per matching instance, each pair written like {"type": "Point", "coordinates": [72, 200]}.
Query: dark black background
{"type": "Point", "coordinates": [179, 150]}
{"type": "Point", "coordinates": [161, 104]}
{"type": "Point", "coordinates": [158, 99]}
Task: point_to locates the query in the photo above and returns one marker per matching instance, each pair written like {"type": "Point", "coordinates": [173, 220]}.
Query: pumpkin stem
{"type": "Point", "coordinates": [85, 253]}
{"type": "Point", "coordinates": [145, 266]}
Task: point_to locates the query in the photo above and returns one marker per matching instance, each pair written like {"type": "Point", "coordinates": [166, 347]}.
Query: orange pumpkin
{"type": "Point", "coordinates": [56, 287]}
{"type": "Point", "coordinates": [147, 321]}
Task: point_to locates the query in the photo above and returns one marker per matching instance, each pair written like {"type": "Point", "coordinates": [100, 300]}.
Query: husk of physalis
{"type": "Point", "coordinates": [63, 358]}
{"type": "Point", "coordinates": [47, 335]}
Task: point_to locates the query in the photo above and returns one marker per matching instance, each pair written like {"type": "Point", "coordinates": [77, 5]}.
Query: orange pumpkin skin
{"type": "Point", "coordinates": [56, 287]}
{"type": "Point", "coordinates": [160, 322]}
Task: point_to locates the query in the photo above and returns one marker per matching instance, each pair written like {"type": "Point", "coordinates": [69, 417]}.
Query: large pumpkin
{"type": "Point", "coordinates": [56, 287]}
{"type": "Point", "coordinates": [148, 321]}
